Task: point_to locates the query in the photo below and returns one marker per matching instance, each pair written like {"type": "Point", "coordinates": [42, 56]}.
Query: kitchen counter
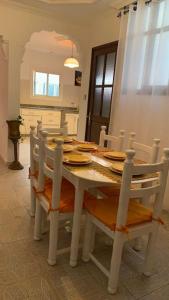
{"type": "Point", "coordinates": [51, 116]}
{"type": "Point", "coordinates": [48, 107]}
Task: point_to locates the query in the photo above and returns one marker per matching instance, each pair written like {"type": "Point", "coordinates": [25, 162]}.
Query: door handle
{"type": "Point", "coordinates": [89, 118]}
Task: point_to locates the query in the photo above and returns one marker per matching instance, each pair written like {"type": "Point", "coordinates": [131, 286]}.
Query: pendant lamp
{"type": "Point", "coordinates": [71, 62]}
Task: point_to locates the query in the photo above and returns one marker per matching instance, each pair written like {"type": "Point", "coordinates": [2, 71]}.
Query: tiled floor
{"type": "Point", "coordinates": [25, 274]}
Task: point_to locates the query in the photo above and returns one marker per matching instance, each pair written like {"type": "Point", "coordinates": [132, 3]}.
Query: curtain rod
{"type": "Point", "coordinates": [125, 9]}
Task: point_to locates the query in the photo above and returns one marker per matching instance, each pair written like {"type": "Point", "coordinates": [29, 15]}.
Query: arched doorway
{"type": "Point", "coordinates": [48, 89]}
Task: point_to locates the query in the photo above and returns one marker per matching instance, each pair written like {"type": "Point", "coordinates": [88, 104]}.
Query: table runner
{"type": "Point", "coordinates": [106, 171]}
{"type": "Point", "coordinates": [100, 168]}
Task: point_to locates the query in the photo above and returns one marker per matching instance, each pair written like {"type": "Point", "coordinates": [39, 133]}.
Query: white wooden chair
{"type": "Point", "coordinates": [54, 130]}
{"type": "Point", "coordinates": [124, 218]}
{"type": "Point", "coordinates": [117, 142]}
{"type": "Point", "coordinates": [149, 154]}
{"type": "Point", "coordinates": [33, 170]}
{"type": "Point", "coordinates": [34, 167]}
{"type": "Point", "coordinates": [144, 152]}
{"type": "Point", "coordinates": [34, 135]}
{"type": "Point", "coordinates": [54, 194]}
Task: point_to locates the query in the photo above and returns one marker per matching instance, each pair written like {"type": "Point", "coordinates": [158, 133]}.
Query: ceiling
{"type": "Point", "coordinates": [51, 42]}
{"type": "Point", "coordinates": [76, 11]}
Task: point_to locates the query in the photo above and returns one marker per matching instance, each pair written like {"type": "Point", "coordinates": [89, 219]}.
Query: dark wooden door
{"type": "Point", "coordinates": [101, 88]}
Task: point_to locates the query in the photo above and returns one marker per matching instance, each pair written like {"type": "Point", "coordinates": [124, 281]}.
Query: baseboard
{"type": "Point", "coordinates": [4, 161]}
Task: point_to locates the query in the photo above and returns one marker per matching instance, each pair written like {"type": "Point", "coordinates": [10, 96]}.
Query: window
{"type": "Point", "coordinates": [155, 50]}
{"type": "Point", "coordinates": [146, 64]}
{"type": "Point", "coordinates": [45, 84]}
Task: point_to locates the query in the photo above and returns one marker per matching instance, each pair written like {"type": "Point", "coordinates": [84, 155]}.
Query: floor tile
{"type": "Point", "coordinates": [159, 294]}
{"type": "Point", "coordinates": [25, 273]}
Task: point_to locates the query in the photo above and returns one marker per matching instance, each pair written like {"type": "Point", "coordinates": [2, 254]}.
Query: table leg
{"type": "Point", "coordinates": [79, 195]}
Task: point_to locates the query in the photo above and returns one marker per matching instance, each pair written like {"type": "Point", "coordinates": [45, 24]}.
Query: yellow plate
{"type": "Point", "coordinates": [65, 139]}
{"type": "Point", "coordinates": [76, 159]}
{"type": "Point", "coordinates": [115, 155]}
{"type": "Point", "coordinates": [117, 168]}
{"type": "Point", "coordinates": [87, 147]}
{"type": "Point", "coordinates": [66, 148]}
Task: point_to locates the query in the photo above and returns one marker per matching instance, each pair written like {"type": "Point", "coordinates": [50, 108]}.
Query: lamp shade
{"type": "Point", "coordinates": [71, 62]}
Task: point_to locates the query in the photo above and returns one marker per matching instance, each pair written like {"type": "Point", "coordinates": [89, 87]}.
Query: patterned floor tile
{"type": "Point", "coordinates": [159, 294]}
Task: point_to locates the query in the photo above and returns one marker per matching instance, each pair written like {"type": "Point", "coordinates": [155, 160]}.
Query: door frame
{"type": "Point", "coordinates": [89, 105]}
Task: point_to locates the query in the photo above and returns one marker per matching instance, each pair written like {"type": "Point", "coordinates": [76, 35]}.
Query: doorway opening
{"type": "Point", "coordinates": [49, 91]}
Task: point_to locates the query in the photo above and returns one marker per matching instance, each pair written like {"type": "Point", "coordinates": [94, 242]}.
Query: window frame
{"type": "Point", "coordinates": [47, 84]}
{"type": "Point", "coordinates": [148, 88]}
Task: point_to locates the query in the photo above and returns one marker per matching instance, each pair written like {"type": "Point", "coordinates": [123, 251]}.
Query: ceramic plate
{"type": "Point", "coordinates": [117, 167]}
{"type": "Point", "coordinates": [76, 159]}
{"type": "Point", "coordinates": [115, 155]}
{"type": "Point", "coordinates": [65, 139]}
{"type": "Point", "coordinates": [77, 163]}
{"type": "Point", "coordinates": [67, 148]}
{"type": "Point", "coordinates": [86, 147]}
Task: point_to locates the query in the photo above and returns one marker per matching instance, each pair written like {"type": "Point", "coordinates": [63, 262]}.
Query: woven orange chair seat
{"type": "Point", "coordinates": [47, 179]}
{"type": "Point", "coordinates": [66, 199]}
{"type": "Point", "coordinates": [105, 210]}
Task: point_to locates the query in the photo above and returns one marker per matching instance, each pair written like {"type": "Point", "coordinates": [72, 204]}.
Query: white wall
{"type": "Point", "coordinates": [16, 25]}
{"type": "Point", "coordinates": [50, 63]}
{"type": "Point", "coordinates": [105, 29]}
{"type": "Point", "coordinates": [3, 102]}
{"type": "Point", "coordinates": [148, 117]}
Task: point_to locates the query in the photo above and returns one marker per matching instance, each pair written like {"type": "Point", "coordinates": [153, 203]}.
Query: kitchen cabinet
{"type": "Point", "coordinates": [49, 118]}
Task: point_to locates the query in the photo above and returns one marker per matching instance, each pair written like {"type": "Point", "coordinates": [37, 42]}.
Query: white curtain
{"type": "Point", "coordinates": [146, 67]}
{"type": "Point", "coordinates": [141, 94]}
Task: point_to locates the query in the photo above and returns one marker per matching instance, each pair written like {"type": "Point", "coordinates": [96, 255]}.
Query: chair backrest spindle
{"type": "Point", "coordinates": [43, 141]}
{"type": "Point", "coordinates": [144, 152]}
{"type": "Point", "coordinates": [53, 131]}
{"type": "Point", "coordinates": [117, 142]}
{"type": "Point", "coordinates": [34, 142]}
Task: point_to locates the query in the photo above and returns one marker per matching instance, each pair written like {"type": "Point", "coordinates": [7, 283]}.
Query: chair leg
{"type": "Point", "coordinates": [33, 202]}
{"type": "Point", "coordinates": [87, 239]}
{"type": "Point", "coordinates": [44, 228]}
{"type": "Point", "coordinates": [93, 236]}
{"type": "Point", "coordinates": [115, 262]}
{"type": "Point", "coordinates": [38, 221]}
{"type": "Point", "coordinates": [148, 264]}
{"type": "Point", "coordinates": [53, 237]}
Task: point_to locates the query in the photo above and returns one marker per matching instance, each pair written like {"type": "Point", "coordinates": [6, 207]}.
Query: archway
{"type": "Point", "coordinates": [48, 89]}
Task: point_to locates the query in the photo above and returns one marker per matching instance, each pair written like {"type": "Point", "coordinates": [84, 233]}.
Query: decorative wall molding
{"type": "Point", "coordinates": [44, 9]}
{"type": "Point", "coordinates": [28, 8]}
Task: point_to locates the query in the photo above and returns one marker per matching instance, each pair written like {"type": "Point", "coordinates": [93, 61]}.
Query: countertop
{"type": "Point", "coordinates": [46, 107]}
